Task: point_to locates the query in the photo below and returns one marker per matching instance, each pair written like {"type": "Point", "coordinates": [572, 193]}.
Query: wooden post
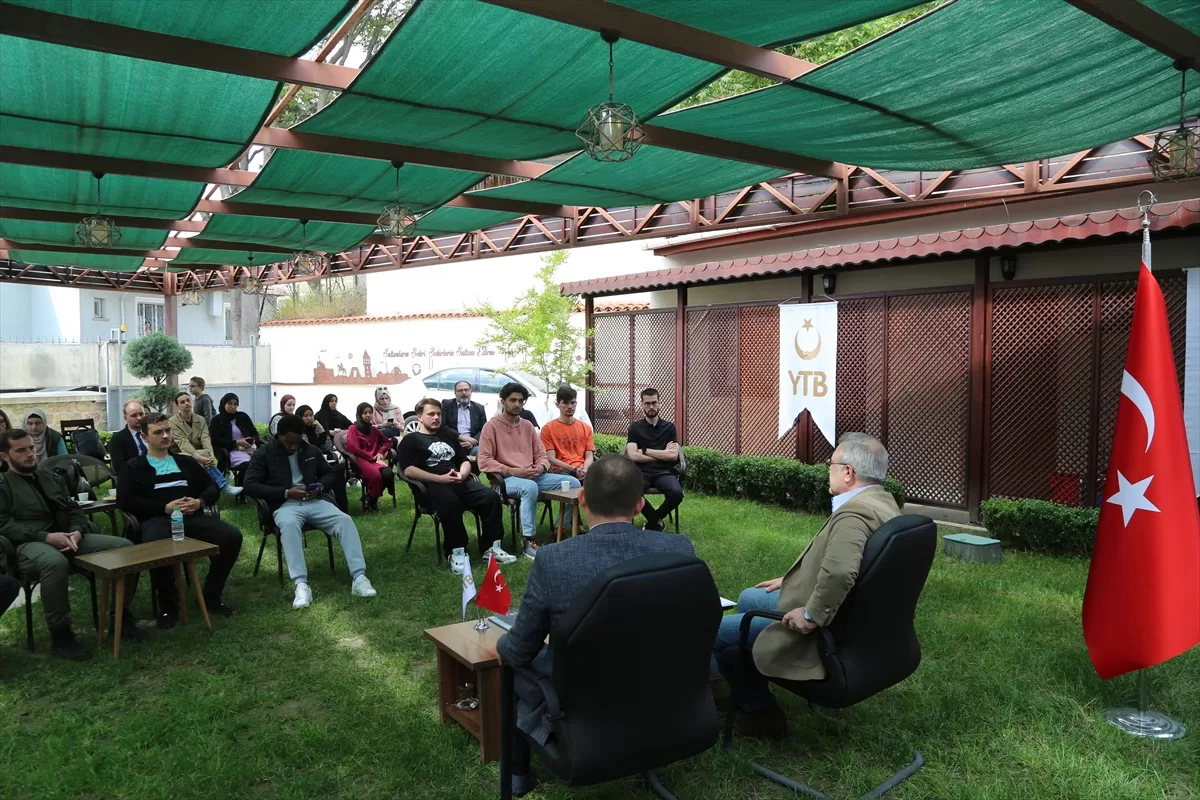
{"type": "Point", "coordinates": [978, 418]}
{"type": "Point", "coordinates": [681, 363]}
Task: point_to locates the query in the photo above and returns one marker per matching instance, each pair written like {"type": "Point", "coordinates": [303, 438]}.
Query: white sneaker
{"type": "Point", "coordinates": [458, 561]}
{"type": "Point", "coordinates": [501, 556]}
{"type": "Point", "coordinates": [231, 490]}
{"type": "Point", "coordinates": [362, 587]}
{"type": "Point", "coordinates": [303, 598]}
{"type": "Point", "coordinates": [531, 548]}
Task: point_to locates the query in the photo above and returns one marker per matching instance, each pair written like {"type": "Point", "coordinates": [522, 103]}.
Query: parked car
{"type": "Point", "coordinates": [486, 383]}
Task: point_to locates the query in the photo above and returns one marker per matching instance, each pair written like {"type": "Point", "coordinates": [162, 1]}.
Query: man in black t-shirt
{"type": "Point", "coordinates": [434, 457]}
{"type": "Point", "coordinates": [654, 446]}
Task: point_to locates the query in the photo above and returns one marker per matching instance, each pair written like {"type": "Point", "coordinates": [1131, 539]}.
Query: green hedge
{"type": "Point", "coordinates": [778, 481]}
{"type": "Point", "coordinates": [1041, 525]}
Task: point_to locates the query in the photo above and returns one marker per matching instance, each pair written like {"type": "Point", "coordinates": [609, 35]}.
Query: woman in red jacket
{"type": "Point", "coordinates": [370, 449]}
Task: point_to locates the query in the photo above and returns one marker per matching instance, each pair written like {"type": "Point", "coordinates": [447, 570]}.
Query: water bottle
{"type": "Point", "coordinates": [177, 524]}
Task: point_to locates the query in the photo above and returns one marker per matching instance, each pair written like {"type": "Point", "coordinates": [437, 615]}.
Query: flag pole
{"type": "Point", "coordinates": [1141, 721]}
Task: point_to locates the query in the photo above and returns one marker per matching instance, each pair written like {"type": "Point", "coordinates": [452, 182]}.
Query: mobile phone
{"type": "Point", "coordinates": [312, 487]}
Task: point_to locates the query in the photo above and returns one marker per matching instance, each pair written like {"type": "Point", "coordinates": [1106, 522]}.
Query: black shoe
{"type": "Point", "coordinates": [166, 618]}
{"type": "Point", "coordinates": [130, 632]}
{"type": "Point", "coordinates": [523, 784]}
{"type": "Point", "coordinates": [63, 645]}
{"type": "Point", "coordinates": [217, 607]}
{"type": "Point", "coordinates": [656, 525]}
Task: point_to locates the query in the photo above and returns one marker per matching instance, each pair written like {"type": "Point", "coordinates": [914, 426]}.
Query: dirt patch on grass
{"type": "Point", "coordinates": [305, 707]}
{"type": "Point", "coordinates": [352, 642]}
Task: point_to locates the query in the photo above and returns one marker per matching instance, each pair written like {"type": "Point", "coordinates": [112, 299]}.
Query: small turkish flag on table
{"type": "Point", "coordinates": [494, 594]}
{"type": "Point", "coordinates": [1142, 604]}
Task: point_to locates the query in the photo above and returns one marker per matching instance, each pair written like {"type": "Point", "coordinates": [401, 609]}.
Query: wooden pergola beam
{"type": "Point", "coordinates": [1152, 29]}
{"type": "Point", "coordinates": [84, 34]}
{"type": "Point", "coordinates": [73, 217]}
{"type": "Point", "coordinates": [382, 151]}
{"type": "Point", "coordinates": [737, 151]}
{"type": "Point", "coordinates": [9, 244]}
{"type": "Point", "coordinates": [234, 208]}
{"type": "Point", "coordinates": [123, 166]}
{"type": "Point", "coordinates": [665, 34]}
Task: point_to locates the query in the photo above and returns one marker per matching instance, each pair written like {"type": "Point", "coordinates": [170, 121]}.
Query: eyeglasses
{"type": "Point", "coordinates": [830, 463]}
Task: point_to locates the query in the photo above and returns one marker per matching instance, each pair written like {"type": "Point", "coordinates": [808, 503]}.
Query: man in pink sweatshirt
{"type": "Point", "coordinates": [511, 447]}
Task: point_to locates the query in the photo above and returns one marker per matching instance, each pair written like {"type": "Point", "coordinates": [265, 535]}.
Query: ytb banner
{"type": "Point", "coordinates": [808, 366]}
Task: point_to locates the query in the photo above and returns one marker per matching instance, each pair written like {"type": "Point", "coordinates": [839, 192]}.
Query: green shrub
{"type": "Point", "coordinates": [105, 437]}
{"type": "Point", "coordinates": [777, 481]}
{"type": "Point", "coordinates": [1041, 525]}
{"type": "Point", "coordinates": [264, 432]}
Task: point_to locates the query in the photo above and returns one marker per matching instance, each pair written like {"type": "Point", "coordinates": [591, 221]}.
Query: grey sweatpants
{"type": "Point", "coordinates": [295, 514]}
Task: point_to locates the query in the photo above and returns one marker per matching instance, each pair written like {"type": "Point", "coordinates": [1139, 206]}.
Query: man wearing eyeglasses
{"type": "Point", "coordinates": [812, 589]}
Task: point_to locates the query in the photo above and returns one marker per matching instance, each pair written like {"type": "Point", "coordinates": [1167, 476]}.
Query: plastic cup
{"type": "Point", "coordinates": [83, 497]}
{"type": "Point", "coordinates": [565, 485]}
{"type": "Point", "coordinates": [112, 493]}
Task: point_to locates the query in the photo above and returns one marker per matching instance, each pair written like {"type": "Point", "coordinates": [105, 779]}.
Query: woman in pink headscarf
{"type": "Point", "coordinates": [287, 405]}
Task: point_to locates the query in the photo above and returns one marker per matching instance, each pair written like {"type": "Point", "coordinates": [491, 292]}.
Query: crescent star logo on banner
{"type": "Point", "coordinates": [808, 366]}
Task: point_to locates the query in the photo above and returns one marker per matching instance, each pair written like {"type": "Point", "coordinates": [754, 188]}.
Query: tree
{"type": "Point", "coordinates": [157, 356]}
{"type": "Point", "coordinates": [535, 335]}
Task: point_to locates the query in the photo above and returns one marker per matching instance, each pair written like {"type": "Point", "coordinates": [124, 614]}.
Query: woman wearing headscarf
{"type": "Point", "coordinates": [5, 425]}
{"type": "Point", "coordinates": [189, 431]}
{"type": "Point", "coordinates": [47, 442]}
{"type": "Point", "coordinates": [287, 405]}
{"type": "Point", "coordinates": [233, 432]}
{"type": "Point", "coordinates": [321, 439]}
{"type": "Point", "coordinates": [384, 414]}
{"type": "Point", "coordinates": [370, 450]}
{"type": "Point", "coordinates": [330, 418]}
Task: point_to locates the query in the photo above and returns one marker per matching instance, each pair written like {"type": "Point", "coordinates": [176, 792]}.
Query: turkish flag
{"type": "Point", "coordinates": [1142, 604]}
{"type": "Point", "coordinates": [493, 593]}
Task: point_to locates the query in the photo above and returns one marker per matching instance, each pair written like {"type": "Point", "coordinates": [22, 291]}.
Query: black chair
{"type": "Point", "coordinates": [421, 507]}
{"type": "Point", "coordinates": [496, 481]}
{"type": "Point", "coordinates": [74, 466]}
{"type": "Point", "coordinates": [680, 472]}
{"type": "Point", "coordinates": [266, 524]}
{"type": "Point", "coordinates": [83, 438]}
{"type": "Point", "coordinates": [9, 566]}
{"type": "Point", "coordinates": [629, 691]}
{"type": "Point", "coordinates": [871, 643]}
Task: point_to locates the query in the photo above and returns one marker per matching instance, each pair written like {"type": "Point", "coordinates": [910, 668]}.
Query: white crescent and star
{"type": "Point", "coordinates": [1131, 497]}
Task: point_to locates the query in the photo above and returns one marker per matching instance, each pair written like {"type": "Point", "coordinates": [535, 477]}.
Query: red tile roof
{"type": "Point", "coordinates": [1055, 229]}
{"type": "Point", "coordinates": [600, 308]}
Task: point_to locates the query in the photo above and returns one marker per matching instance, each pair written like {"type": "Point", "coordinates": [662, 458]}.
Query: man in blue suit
{"type": "Point", "coordinates": [611, 498]}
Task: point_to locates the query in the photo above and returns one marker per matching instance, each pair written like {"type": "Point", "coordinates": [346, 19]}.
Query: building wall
{"type": "Point", "coordinates": [38, 313]}
{"type": "Point", "coordinates": [58, 406]}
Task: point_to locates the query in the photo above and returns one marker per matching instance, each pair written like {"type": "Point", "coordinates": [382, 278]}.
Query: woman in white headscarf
{"type": "Point", "coordinates": [47, 442]}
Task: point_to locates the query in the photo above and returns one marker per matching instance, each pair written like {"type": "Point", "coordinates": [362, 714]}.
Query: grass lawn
{"type": "Point", "coordinates": [337, 701]}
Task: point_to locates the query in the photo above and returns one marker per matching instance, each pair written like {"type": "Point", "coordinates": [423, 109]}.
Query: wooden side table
{"type": "Point", "coordinates": [116, 564]}
{"type": "Point", "coordinates": [465, 654]}
{"type": "Point", "coordinates": [105, 505]}
{"type": "Point", "coordinates": [565, 498]}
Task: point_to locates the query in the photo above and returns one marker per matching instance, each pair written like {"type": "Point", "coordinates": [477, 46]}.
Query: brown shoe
{"type": "Point", "coordinates": [769, 723]}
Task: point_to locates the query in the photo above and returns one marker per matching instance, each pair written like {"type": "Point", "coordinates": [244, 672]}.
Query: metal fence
{"type": "Point", "coordinates": [1043, 379]}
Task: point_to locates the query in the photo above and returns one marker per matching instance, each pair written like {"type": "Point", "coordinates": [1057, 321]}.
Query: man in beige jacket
{"type": "Point", "coordinates": [189, 431]}
{"type": "Point", "coordinates": [812, 590]}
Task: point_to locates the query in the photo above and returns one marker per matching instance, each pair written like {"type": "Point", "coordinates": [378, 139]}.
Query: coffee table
{"type": "Point", "coordinates": [564, 498]}
{"type": "Point", "coordinates": [116, 564]}
{"type": "Point", "coordinates": [465, 654]}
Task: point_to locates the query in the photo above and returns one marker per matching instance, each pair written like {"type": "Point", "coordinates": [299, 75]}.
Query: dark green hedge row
{"type": "Point", "coordinates": [778, 481]}
{"type": "Point", "coordinates": [1041, 525]}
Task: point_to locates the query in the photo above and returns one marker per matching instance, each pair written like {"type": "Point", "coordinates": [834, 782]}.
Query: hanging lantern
{"type": "Point", "coordinates": [252, 285]}
{"type": "Point", "coordinates": [306, 262]}
{"type": "Point", "coordinates": [191, 298]}
{"type": "Point", "coordinates": [98, 230]}
{"type": "Point", "coordinates": [611, 131]}
{"type": "Point", "coordinates": [1175, 155]}
{"type": "Point", "coordinates": [397, 220]}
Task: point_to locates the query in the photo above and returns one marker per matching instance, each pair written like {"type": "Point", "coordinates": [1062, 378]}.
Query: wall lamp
{"type": "Point", "coordinates": [1008, 267]}
{"type": "Point", "coordinates": [828, 282]}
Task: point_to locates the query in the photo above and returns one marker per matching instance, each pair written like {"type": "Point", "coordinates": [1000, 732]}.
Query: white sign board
{"type": "Point", "coordinates": [808, 366]}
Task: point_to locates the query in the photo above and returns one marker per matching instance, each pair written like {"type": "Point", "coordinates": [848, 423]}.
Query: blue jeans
{"type": "Point", "coordinates": [754, 693]}
{"type": "Point", "coordinates": [216, 475]}
{"type": "Point", "coordinates": [528, 490]}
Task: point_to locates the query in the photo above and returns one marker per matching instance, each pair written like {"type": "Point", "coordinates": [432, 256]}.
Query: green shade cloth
{"type": "Point", "coordinates": [202, 256]}
{"type": "Point", "coordinates": [31, 232]}
{"type": "Point", "coordinates": [329, 237]}
{"type": "Point", "coordinates": [973, 84]}
{"type": "Point", "coordinates": [68, 190]}
{"type": "Point", "coordinates": [523, 85]}
{"type": "Point", "coordinates": [85, 260]}
{"type": "Point", "coordinates": [653, 175]}
{"type": "Point", "coordinates": [450, 219]}
{"type": "Point", "coordinates": [770, 23]}
{"type": "Point", "coordinates": [59, 98]}
{"type": "Point", "coordinates": [343, 183]}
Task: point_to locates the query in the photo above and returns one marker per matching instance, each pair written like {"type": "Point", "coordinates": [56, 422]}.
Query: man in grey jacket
{"type": "Point", "coordinates": [611, 498]}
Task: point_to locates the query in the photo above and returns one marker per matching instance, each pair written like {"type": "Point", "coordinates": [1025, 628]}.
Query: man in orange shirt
{"type": "Point", "coordinates": [568, 441]}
